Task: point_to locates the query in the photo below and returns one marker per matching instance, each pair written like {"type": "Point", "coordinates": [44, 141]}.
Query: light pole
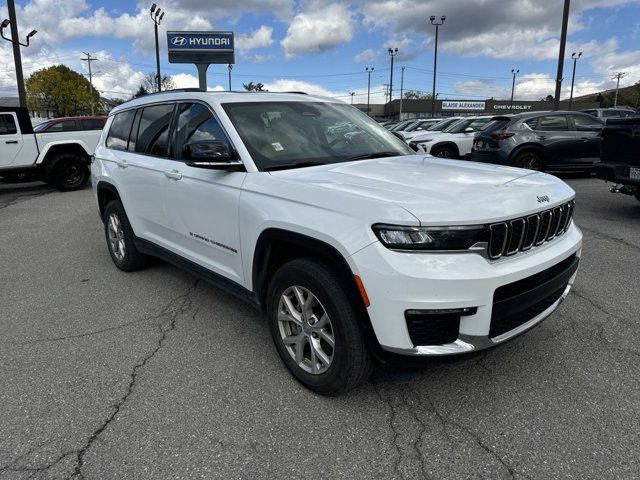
{"type": "Point", "coordinates": [618, 76]}
{"type": "Point", "coordinates": [230, 67]}
{"type": "Point", "coordinates": [369, 70]}
{"type": "Point", "coordinates": [157, 17]}
{"type": "Point", "coordinates": [514, 72]}
{"type": "Point", "coordinates": [16, 48]}
{"type": "Point", "coordinates": [401, 92]}
{"type": "Point", "coordinates": [392, 52]}
{"type": "Point", "coordinates": [575, 56]}
{"type": "Point", "coordinates": [352, 94]}
{"type": "Point", "coordinates": [563, 43]}
{"type": "Point", "coordinates": [435, 61]}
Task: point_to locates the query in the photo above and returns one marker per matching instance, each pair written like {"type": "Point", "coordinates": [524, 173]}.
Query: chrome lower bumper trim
{"type": "Point", "coordinates": [471, 343]}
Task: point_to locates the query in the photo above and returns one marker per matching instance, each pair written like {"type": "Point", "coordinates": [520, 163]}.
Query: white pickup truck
{"type": "Point", "coordinates": [59, 154]}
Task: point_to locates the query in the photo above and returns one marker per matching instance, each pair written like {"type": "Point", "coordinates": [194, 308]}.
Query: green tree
{"type": "Point", "coordinates": [61, 90]}
{"type": "Point", "coordinates": [150, 84]}
{"type": "Point", "coordinates": [141, 92]}
{"type": "Point", "coordinates": [254, 87]}
{"type": "Point", "coordinates": [416, 95]}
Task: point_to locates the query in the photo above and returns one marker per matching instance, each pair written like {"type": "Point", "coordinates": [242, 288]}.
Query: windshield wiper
{"type": "Point", "coordinates": [286, 166]}
{"type": "Point", "coordinates": [368, 156]}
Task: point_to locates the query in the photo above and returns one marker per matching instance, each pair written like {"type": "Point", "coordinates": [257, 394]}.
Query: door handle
{"type": "Point", "coordinates": [173, 174]}
{"type": "Point", "coordinates": [541, 137]}
{"type": "Point", "coordinates": [584, 139]}
{"type": "Point", "coordinates": [122, 163]}
{"type": "Point", "coordinates": [11, 141]}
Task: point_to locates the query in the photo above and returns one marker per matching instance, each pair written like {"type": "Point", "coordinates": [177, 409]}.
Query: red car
{"type": "Point", "coordinates": [70, 124]}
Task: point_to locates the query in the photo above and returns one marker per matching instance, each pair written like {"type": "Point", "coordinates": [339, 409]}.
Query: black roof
{"type": "Point", "coordinates": [23, 118]}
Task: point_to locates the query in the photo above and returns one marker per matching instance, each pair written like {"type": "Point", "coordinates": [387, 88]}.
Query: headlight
{"type": "Point", "coordinates": [398, 237]}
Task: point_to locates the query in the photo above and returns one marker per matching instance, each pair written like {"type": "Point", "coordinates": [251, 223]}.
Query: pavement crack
{"type": "Point", "coordinates": [602, 309]}
{"type": "Point", "coordinates": [598, 233]}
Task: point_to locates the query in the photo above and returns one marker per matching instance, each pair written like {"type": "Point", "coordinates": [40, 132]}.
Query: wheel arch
{"type": "Point", "coordinates": [447, 144]}
{"type": "Point", "coordinates": [106, 192]}
{"type": "Point", "coordinates": [528, 147]}
{"type": "Point", "coordinates": [51, 150]}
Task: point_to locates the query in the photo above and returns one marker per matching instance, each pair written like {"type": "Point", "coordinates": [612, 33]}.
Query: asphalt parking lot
{"type": "Point", "coordinates": [155, 374]}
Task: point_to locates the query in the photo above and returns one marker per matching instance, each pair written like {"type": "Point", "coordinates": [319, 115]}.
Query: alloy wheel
{"type": "Point", "coordinates": [306, 330]}
{"type": "Point", "coordinates": [116, 237]}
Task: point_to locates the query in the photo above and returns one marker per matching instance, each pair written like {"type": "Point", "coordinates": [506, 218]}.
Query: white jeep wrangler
{"type": "Point", "coordinates": [58, 156]}
{"type": "Point", "coordinates": [355, 247]}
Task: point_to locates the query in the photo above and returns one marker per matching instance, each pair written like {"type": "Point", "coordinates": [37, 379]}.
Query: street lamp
{"type": "Point", "coordinates": [575, 56]}
{"type": "Point", "coordinates": [230, 67]}
{"type": "Point", "coordinates": [12, 22]}
{"type": "Point", "coordinates": [352, 94]}
{"type": "Point", "coordinates": [392, 52]}
{"type": "Point", "coordinates": [514, 72]}
{"type": "Point", "coordinates": [157, 17]}
{"type": "Point", "coordinates": [435, 61]}
{"type": "Point", "coordinates": [369, 70]}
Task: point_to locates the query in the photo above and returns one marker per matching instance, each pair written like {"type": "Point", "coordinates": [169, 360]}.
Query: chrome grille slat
{"type": "Point", "coordinates": [521, 234]}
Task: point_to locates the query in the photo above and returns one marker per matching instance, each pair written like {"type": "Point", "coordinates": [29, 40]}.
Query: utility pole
{"type": "Point", "coordinates": [435, 61]}
{"type": "Point", "coordinates": [514, 72]}
{"type": "Point", "coordinates": [563, 43]}
{"type": "Point", "coordinates": [575, 56]}
{"type": "Point", "coordinates": [386, 92]}
{"type": "Point", "coordinates": [392, 52]}
{"type": "Point", "coordinates": [157, 18]}
{"type": "Point", "coordinates": [90, 59]}
{"type": "Point", "coordinates": [369, 70]}
{"type": "Point", "coordinates": [618, 76]}
{"type": "Point", "coordinates": [352, 94]}
{"type": "Point", "coordinates": [230, 67]}
{"type": "Point", "coordinates": [11, 7]}
{"type": "Point", "coordinates": [401, 92]}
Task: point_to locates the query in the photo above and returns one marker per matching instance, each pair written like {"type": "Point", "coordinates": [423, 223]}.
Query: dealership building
{"type": "Point", "coordinates": [449, 108]}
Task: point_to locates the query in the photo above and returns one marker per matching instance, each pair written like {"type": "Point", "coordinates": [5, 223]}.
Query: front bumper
{"type": "Point", "coordinates": [396, 282]}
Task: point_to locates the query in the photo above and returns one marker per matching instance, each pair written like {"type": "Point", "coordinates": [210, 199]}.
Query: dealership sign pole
{"type": "Point", "coordinates": [201, 49]}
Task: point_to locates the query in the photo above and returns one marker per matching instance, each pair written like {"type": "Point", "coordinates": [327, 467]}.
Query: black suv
{"type": "Point", "coordinates": [541, 141]}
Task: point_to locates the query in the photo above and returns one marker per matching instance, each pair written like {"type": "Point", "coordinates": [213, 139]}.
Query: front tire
{"type": "Point", "coordinates": [120, 238]}
{"type": "Point", "coordinates": [314, 327]}
{"type": "Point", "coordinates": [444, 152]}
{"type": "Point", "coordinates": [67, 172]}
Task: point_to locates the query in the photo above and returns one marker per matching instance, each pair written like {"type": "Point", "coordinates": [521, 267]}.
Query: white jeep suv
{"type": "Point", "coordinates": [455, 141]}
{"type": "Point", "coordinates": [355, 247]}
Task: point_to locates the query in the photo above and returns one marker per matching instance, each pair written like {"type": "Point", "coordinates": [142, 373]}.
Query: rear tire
{"type": "Point", "coordinates": [529, 161]}
{"type": "Point", "coordinates": [120, 239]}
{"type": "Point", "coordinates": [67, 172]}
{"type": "Point", "coordinates": [317, 338]}
{"type": "Point", "coordinates": [444, 152]}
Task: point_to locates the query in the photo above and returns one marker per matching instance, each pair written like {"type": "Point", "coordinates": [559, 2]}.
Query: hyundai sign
{"type": "Point", "coordinates": [201, 47]}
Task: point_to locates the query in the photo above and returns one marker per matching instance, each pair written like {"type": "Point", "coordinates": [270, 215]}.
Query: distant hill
{"type": "Point", "coordinates": [627, 96]}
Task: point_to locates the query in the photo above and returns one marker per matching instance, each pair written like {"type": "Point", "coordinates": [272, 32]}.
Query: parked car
{"type": "Point", "coordinates": [418, 127]}
{"type": "Point", "coordinates": [59, 157]}
{"type": "Point", "coordinates": [400, 125]}
{"type": "Point", "coordinates": [541, 141]}
{"type": "Point", "coordinates": [455, 141]}
{"type": "Point", "coordinates": [426, 134]}
{"type": "Point", "coordinates": [621, 156]}
{"type": "Point", "coordinates": [355, 248]}
{"type": "Point", "coordinates": [605, 113]}
{"type": "Point", "coordinates": [70, 124]}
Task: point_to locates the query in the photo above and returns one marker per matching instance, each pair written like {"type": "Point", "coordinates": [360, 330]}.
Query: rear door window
{"type": "Point", "coordinates": [7, 125]}
{"type": "Point", "coordinates": [153, 132]}
{"type": "Point", "coordinates": [120, 129]}
{"type": "Point", "coordinates": [553, 123]}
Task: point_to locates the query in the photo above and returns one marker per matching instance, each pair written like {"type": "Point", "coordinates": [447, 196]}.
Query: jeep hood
{"type": "Point", "coordinates": [434, 191]}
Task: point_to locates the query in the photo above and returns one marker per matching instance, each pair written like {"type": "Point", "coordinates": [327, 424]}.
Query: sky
{"type": "Point", "coordinates": [323, 47]}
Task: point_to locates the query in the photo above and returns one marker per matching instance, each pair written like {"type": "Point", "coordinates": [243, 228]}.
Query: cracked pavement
{"type": "Point", "coordinates": [155, 374]}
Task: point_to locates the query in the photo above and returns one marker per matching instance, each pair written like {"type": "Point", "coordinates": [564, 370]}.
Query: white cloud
{"type": "Point", "coordinates": [365, 56]}
{"type": "Point", "coordinates": [259, 38]}
{"type": "Point", "coordinates": [319, 30]}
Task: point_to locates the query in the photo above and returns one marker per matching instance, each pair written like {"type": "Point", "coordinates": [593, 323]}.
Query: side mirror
{"type": "Point", "coordinates": [399, 135]}
{"type": "Point", "coordinates": [469, 130]}
{"type": "Point", "coordinates": [212, 154]}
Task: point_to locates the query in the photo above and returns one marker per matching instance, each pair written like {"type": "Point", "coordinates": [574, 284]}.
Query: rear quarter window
{"type": "Point", "coordinates": [92, 124]}
{"type": "Point", "coordinates": [118, 136]}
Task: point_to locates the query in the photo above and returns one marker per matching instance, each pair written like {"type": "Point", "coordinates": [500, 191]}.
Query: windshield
{"type": "Point", "coordinates": [460, 126]}
{"type": "Point", "coordinates": [41, 126]}
{"type": "Point", "coordinates": [289, 134]}
{"type": "Point", "coordinates": [399, 126]}
{"type": "Point", "coordinates": [422, 123]}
